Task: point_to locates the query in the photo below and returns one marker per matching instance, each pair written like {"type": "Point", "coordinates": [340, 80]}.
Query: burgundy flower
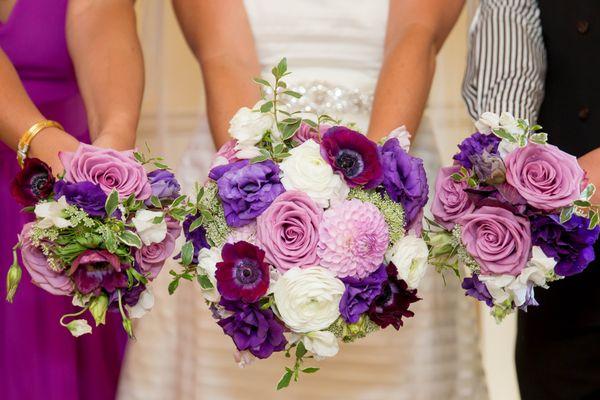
{"type": "Point", "coordinates": [392, 304]}
{"type": "Point", "coordinates": [353, 155]}
{"type": "Point", "coordinates": [94, 270]}
{"type": "Point", "coordinates": [33, 183]}
{"type": "Point", "coordinates": [243, 274]}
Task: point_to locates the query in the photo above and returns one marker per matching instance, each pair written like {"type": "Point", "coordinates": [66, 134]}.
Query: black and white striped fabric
{"type": "Point", "coordinates": [507, 59]}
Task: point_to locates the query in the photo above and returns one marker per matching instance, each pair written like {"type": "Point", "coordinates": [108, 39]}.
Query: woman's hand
{"type": "Point", "coordinates": [591, 164]}
{"type": "Point", "coordinates": [114, 140]}
{"type": "Point", "coordinates": [48, 143]}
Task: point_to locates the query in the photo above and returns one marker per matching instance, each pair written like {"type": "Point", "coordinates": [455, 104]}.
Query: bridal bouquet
{"type": "Point", "coordinates": [101, 233]}
{"type": "Point", "coordinates": [513, 213]}
{"type": "Point", "coordinates": [305, 234]}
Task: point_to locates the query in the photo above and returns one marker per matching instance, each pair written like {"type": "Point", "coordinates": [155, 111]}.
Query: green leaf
{"type": "Point", "coordinates": [287, 131]}
{"type": "Point", "coordinates": [539, 138]}
{"type": "Point", "coordinates": [566, 214]}
{"type": "Point", "coordinates": [536, 127]}
{"type": "Point", "coordinates": [187, 253]}
{"type": "Point", "coordinates": [130, 239]}
{"type": "Point", "coordinates": [457, 177]}
{"type": "Point", "coordinates": [310, 123]}
{"type": "Point", "coordinates": [285, 380]}
{"type": "Point", "coordinates": [594, 220]}
{"type": "Point", "coordinates": [282, 67]}
{"type": "Point", "coordinates": [261, 81]}
{"type": "Point", "coordinates": [293, 94]}
{"type": "Point", "coordinates": [503, 134]}
{"type": "Point", "coordinates": [588, 192]}
{"type": "Point", "coordinates": [266, 107]}
{"type": "Point", "coordinates": [300, 350]}
{"type": "Point", "coordinates": [582, 203]}
{"type": "Point", "coordinates": [155, 201]}
{"type": "Point", "coordinates": [472, 182]}
{"type": "Point", "coordinates": [282, 84]}
{"type": "Point", "coordinates": [197, 223]}
{"type": "Point", "coordinates": [178, 201]}
{"type": "Point", "coordinates": [112, 202]}
{"type": "Point", "coordinates": [173, 286]}
{"type": "Point", "coordinates": [139, 157]}
{"type": "Point", "coordinates": [310, 370]}
{"type": "Point", "coordinates": [259, 159]}
{"type": "Point", "coordinates": [29, 209]}
{"type": "Point", "coordinates": [205, 282]}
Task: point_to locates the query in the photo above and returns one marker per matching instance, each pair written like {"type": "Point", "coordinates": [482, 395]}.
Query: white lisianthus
{"type": "Point", "coordinates": [322, 344]}
{"type": "Point", "coordinates": [535, 273]}
{"type": "Point", "coordinates": [496, 285]}
{"type": "Point", "coordinates": [307, 299]}
{"type": "Point", "coordinates": [409, 255]}
{"type": "Point", "coordinates": [51, 214]}
{"type": "Point", "coordinates": [403, 136]}
{"type": "Point", "coordinates": [248, 127]}
{"type": "Point", "coordinates": [207, 265]}
{"type": "Point", "coordinates": [305, 170]}
{"type": "Point", "coordinates": [144, 305]}
{"type": "Point", "coordinates": [147, 230]}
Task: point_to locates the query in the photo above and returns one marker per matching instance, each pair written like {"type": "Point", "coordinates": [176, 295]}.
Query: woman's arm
{"type": "Point", "coordinates": [416, 31]}
{"type": "Point", "coordinates": [106, 53]}
{"type": "Point", "coordinates": [591, 164]}
{"type": "Point", "coordinates": [219, 34]}
{"type": "Point", "coordinates": [18, 114]}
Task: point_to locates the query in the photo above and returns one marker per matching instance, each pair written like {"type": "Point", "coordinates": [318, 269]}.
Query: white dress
{"type": "Point", "coordinates": [334, 51]}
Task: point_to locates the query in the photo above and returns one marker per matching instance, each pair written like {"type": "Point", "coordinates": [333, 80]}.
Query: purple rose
{"type": "Point", "coordinates": [97, 270]}
{"type": "Point", "coordinates": [33, 183]}
{"type": "Point", "coordinates": [404, 180]}
{"type": "Point", "coordinates": [450, 201]}
{"type": "Point", "coordinates": [473, 147]}
{"type": "Point", "coordinates": [547, 177]}
{"type": "Point", "coordinates": [497, 239]}
{"type": "Point", "coordinates": [163, 184]}
{"type": "Point", "coordinates": [252, 328]}
{"type": "Point", "coordinates": [353, 155]}
{"type": "Point", "coordinates": [42, 275]}
{"type": "Point", "coordinates": [571, 244]}
{"type": "Point", "coordinates": [288, 231]}
{"type": "Point", "coordinates": [111, 169]}
{"type": "Point", "coordinates": [246, 189]}
{"type": "Point", "coordinates": [150, 259]}
{"type": "Point", "coordinates": [477, 289]}
{"type": "Point", "coordinates": [360, 293]}
{"type": "Point", "coordinates": [86, 195]}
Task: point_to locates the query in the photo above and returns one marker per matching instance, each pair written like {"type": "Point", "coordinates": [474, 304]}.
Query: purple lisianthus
{"type": "Point", "coordinates": [163, 185]}
{"type": "Point", "coordinates": [246, 189]}
{"type": "Point", "coordinates": [197, 236]}
{"type": "Point", "coordinates": [96, 270]}
{"type": "Point", "coordinates": [360, 293]}
{"type": "Point", "coordinates": [129, 297]}
{"type": "Point", "coordinates": [353, 155]}
{"type": "Point", "coordinates": [571, 244]}
{"type": "Point", "coordinates": [253, 329]}
{"type": "Point", "coordinates": [404, 180]}
{"type": "Point", "coordinates": [86, 195]}
{"type": "Point", "coordinates": [473, 147]}
{"type": "Point", "coordinates": [477, 289]}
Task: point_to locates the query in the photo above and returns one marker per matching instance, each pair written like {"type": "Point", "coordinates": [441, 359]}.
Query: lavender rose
{"type": "Point", "coordinates": [35, 262]}
{"type": "Point", "coordinates": [86, 195]}
{"type": "Point", "coordinates": [150, 259]}
{"type": "Point", "coordinates": [450, 201]}
{"type": "Point", "coordinates": [404, 180]}
{"type": "Point", "coordinates": [547, 177]}
{"type": "Point", "coordinates": [246, 190]}
{"type": "Point", "coordinates": [497, 239]}
{"type": "Point", "coordinates": [112, 170]}
{"type": "Point", "coordinates": [306, 132]}
{"type": "Point", "coordinates": [163, 184]}
{"type": "Point", "coordinates": [288, 231]}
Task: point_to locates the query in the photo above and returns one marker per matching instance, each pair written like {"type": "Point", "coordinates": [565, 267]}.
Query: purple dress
{"type": "Point", "coordinates": [39, 359]}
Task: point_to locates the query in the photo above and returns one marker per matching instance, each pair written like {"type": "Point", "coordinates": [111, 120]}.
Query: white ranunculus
{"type": "Point", "coordinates": [50, 214]}
{"type": "Point", "coordinates": [496, 285]}
{"type": "Point", "coordinates": [147, 230]}
{"type": "Point", "coordinates": [307, 299]}
{"type": "Point", "coordinates": [487, 122]}
{"type": "Point", "coordinates": [144, 305]}
{"type": "Point", "coordinates": [409, 255]}
{"type": "Point", "coordinates": [403, 136]}
{"type": "Point", "coordinates": [305, 170]}
{"type": "Point", "coordinates": [248, 127]}
{"type": "Point", "coordinates": [207, 265]}
{"type": "Point", "coordinates": [322, 344]}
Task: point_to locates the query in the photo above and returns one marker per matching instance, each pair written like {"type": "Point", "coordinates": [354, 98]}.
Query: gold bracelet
{"type": "Point", "coordinates": [28, 136]}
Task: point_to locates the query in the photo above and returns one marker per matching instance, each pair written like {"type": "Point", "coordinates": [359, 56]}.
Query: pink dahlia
{"type": "Point", "coordinates": [353, 239]}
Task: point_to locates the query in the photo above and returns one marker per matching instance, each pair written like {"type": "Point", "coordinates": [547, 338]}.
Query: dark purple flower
{"type": "Point", "coordinates": [163, 184]}
{"type": "Point", "coordinates": [474, 146]}
{"type": "Point", "coordinates": [475, 288]}
{"type": "Point", "coordinates": [246, 189]}
{"type": "Point", "coordinates": [33, 183]}
{"type": "Point", "coordinates": [571, 244]}
{"type": "Point", "coordinates": [253, 329]}
{"type": "Point", "coordinates": [86, 195]}
{"type": "Point", "coordinates": [197, 236]}
{"type": "Point", "coordinates": [243, 273]}
{"type": "Point", "coordinates": [360, 293]}
{"type": "Point", "coordinates": [404, 180]}
{"type": "Point", "coordinates": [129, 297]}
{"type": "Point", "coordinates": [97, 270]}
{"type": "Point", "coordinates": [392, 304]}
{"type": "Point", "coordinates": [353, 155]}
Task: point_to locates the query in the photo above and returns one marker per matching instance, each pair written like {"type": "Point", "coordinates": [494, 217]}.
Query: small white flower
{"type": "Point", "coordinates": [409, 255]}
{"type": "Point", "coordinates": [149, 231]}
{"type": "Point", "coordinates": [207, 265]}
{"type": "Point", "coordinates": [403, 136]}
{"type": "Point", "coordinates": [248, 127]}
{"type": "Point", "coordinates": [50, 214]}
{"type": "Point", "coordinates": [505, 147]}
{"type": "Point", "coordinates": [243, 358]}
{"type": "Point", "coordinates": [487, 122]}
{"type": "Point", "coordinates": [496, 285]}
{"type": "Point", "coordinates": [538, 267]}
{"type": "Point", "coordinates": [305, 170]}
{"type": "Point", "coordinates": [143, 306]}
{"type": "Point", "coordinates": [307, 299]}
{"type": "Point", "coordinates": [322, 344]}
{"type": "Point", "coordinates": [79, 327]}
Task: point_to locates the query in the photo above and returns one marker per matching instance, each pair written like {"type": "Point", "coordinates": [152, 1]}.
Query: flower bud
{"type": "Point", "coordinates": [13, 277]}
{"type": "Point", "coordinates": [98, 307]}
